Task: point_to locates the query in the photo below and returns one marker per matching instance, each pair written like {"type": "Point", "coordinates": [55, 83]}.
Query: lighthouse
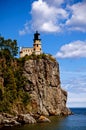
{"type": "Point", "coordinates": [36, 49]}
{"type": "Point", "coordinates": [37, 44]}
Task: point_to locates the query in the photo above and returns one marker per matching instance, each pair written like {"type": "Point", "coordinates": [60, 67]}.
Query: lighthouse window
{"type": "Point", "coordinates": [37, 45]}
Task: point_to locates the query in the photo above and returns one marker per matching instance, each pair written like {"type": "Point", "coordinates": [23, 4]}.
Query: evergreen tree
{"type": "Point", "coordinates": [10, 45]}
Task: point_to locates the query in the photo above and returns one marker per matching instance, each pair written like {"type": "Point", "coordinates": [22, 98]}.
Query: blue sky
{"type": "Point", "coordinates": [62, 25]}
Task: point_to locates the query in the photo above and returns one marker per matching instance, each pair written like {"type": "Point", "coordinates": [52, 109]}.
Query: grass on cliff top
{"type": "Point", "coordinates": [37, 57]}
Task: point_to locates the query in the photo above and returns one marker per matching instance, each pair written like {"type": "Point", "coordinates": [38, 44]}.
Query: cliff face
{"type": "Point", "coordinates": [46, 95]}
{"type": "Point", "coordinates": [32, 84]}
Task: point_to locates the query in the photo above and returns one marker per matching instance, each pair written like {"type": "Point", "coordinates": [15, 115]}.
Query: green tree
{"type": "Point", "coordinates": [10, 83]}
{"type": "Point", "coordinates": [10, 45]}
{"type": "Point", "coordinates": [1, 42]}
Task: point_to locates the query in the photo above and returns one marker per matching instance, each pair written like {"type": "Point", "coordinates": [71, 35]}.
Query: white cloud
{"type": "Point", "coordinates": [77, 21]}
{"type": "Point", "coordinates": [75, 84]}
{"type": "Point", "coordinates": [76, 100]}
{"type": "Point", "coordinates": [25, 30]}
{"type": "Point", "coordinates": [51, 16]}
{"type": "Point", "coordinates": [55, 2]}
{"type": "Point", "coordinates": [46, 18]}
{"type": "Point", "coordinates": [49, 27]}
{"type": "Point", "coordinates": [72, 50]}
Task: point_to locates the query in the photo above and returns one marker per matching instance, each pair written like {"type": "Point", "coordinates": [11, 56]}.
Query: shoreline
{"type": "Point", "coordinates": [7, 120]}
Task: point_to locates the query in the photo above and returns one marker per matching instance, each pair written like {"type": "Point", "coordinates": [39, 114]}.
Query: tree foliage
{"type": "Point", "coordinates": [11, 72]}
{"type": "Point", "coordinates": [9, 45]}
{"type": "Point", "coordinates": [13, 88]}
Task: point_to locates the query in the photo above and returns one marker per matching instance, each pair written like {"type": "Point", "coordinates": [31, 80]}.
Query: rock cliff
{"type": "Point", "coordinates": [46, 95]}
{"type": "Point", "coordinates": [30, 89]}
{"type": "Point", "coordinates": [32, 84]}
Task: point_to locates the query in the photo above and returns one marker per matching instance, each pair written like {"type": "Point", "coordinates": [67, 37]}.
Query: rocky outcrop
{"type": "Point", "coordinates": [43, 119]}
{"type": "Point", "coordinates": [9, 120]}
{"type": "Point", "coordinates": [26, 119]}
{"type": "Point", "coordinates": [46, 95]}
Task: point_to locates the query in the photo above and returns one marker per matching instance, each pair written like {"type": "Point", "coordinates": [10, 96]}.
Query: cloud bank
{"type": "Point", "coordinates": [75, 82]}
{"type": "Point", "coordinates": [56, 16]}
{"type": "Point", "coordinates": [72, 50]}
{"type": "Point", "coordinates": [77, 21]}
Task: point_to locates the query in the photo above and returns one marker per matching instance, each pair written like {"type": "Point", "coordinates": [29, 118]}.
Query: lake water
{"type": "Point", "coordinates": [73, 122]}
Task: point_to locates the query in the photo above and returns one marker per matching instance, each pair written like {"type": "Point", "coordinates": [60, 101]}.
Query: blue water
{"type": "Point", "coordinates": [72, 122]}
